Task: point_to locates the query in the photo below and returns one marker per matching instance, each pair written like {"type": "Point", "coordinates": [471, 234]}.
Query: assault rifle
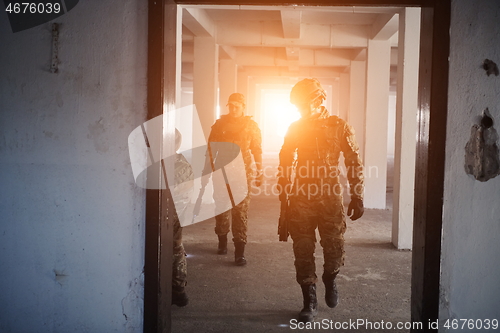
{"type": "Point", "coordinates": [197, 205]}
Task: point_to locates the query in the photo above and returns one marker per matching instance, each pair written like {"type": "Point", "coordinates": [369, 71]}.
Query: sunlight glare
{"type": "Point", "coordinates": [283, 112]}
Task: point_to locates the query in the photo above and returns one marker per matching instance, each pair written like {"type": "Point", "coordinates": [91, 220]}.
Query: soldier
{"type": "Point", "coordinates": [239, 129]}
{"type": "Point", "coordinates": [310, 152]}
{"type": "Point", "coordinates": [181, 195]}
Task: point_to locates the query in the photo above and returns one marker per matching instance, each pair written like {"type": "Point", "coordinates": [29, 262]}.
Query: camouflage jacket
{"type": "Point", "coordinates": [242, 131]}
{"type": "Point", "coordinates": [312, 148]}
{"type": "Point", "coordinates": [183, 186]}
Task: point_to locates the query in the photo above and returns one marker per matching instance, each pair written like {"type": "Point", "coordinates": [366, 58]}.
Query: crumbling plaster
{"type": "Point", "coordinates": [471, 215]}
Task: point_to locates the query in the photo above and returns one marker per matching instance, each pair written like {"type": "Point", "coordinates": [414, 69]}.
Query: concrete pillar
{"type": "Point", "coordinates": [377, 105]}
{"type": "Point", "coordinates": [406, 128]}
{"type": "Point", "coordinates": [357, 102]}
{"type": "Point", "coordinates": [335, 97]}
{"type": "Point", "coordinates": [250, 91]}
{"type": "Point", "coordinates": [178, 60]}
{"type": "Point", "coordinates": [205, 80]}
{"type": "Point", "coordinates": [344, 96]}
{"type": "Point", "coordinates": [227, 81]}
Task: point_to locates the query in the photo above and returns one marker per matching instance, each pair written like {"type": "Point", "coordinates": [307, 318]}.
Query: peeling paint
{"type": "Point", "coordinates": [96, 131]}
{"type": "Point", "coordinates": [60, 276]}
{"type": "Point", "coordinates": [132, 305]}
{"type": "Point", "coordinates": [481, 151]}
{"type": "Point", "coordinates": [490, 67]}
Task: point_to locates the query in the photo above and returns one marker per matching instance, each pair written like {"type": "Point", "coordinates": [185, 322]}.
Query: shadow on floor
{"type": "Point", "coordinates": [263, 296]}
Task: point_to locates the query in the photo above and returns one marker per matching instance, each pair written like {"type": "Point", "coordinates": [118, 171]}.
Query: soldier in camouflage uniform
{"type": "Point", "coordinates": [310, 152]}
{"type": "Point", "coordinates": [241, 130]}
{"type": "Point", "coordinates": [181, 195]}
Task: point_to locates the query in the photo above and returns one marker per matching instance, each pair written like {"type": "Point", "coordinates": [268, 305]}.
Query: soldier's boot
{"type": "Point", "coordinates": [222, 249]}
{"type": "Point", "coordinates": [179, 296]}
{"type": "Point", "coordinates": [310, 309]}
{"type": "Point", "coordinates": [331, 292]}
{"type": "Point", "coordinates": [239, 254]}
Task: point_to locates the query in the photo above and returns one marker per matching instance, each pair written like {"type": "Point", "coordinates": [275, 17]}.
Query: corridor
{"type": "Point", "coordinates": [263, 296]}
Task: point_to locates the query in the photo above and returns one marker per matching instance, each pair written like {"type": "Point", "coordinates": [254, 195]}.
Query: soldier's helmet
{"type": "Point", "coordinates": [306, 91]}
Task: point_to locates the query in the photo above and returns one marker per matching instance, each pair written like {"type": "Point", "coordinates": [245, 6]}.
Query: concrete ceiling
{"type": "Point", "coordinates": [287, 39]}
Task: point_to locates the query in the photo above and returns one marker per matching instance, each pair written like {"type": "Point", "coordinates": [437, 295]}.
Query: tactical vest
{"type": "Point", "coordinates": [318, 149]}
{"type": "Point", "coordinates": [235, 130]}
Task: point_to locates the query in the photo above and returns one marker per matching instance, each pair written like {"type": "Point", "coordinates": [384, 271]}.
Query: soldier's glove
{"type": "Point", "coordinates": [259, 178]}
{"type": "Point", "coordinates": [283, 184]}
{"type": "Point", "coordinates": [355, 209]}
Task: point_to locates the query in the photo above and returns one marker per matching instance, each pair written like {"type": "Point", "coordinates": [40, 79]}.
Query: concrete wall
{"type": "Point", "coordinates": [71, 217]}
{"type": "Point", "coordinates": [471, 217]}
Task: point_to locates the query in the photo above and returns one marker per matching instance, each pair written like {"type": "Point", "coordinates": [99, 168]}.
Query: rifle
{"type": "Point", "coordinates": [286, 184]}
{"type": "Point", "coordinates": [283, 220]}
{"type": "Point", "coordinates": [197, 205]}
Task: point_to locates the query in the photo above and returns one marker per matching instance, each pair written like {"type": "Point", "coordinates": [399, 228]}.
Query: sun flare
{"type": "Point", "coordinates": [283, 112]}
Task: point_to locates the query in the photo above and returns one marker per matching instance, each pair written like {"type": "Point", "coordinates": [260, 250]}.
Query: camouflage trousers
{"type": "Point", "coordinates": [179, 262]}
{"type": "Point", "coordinates": [325, 212]}
{"type": "Point", "coordinates": [238, 224]}
{"type": "Point", "coordinates": [236, 218]}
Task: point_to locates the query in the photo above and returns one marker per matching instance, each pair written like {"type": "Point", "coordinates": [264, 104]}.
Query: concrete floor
{"type": "Point", "coordinates": [263, 296]}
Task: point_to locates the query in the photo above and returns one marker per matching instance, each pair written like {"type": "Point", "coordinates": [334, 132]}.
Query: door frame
{"type": "Point", "coordinates": [430, 150]}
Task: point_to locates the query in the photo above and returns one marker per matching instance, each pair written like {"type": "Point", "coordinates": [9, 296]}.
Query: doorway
{"type": "Point", "coordinates": [427, 228]}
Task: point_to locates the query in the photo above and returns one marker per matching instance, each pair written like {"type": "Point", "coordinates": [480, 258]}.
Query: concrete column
{"type": "Point", "coordinates": [227, 81]}
{"type": "Point", "coordinates": [357, 102]}
{"type": "Point", "coordinates": [377, 105]}
{"type": "Point", "coordinates": [406, 128]}
{"type": "Point", "coordinates": [205, 77]}
{"type": "Point", "coordinates": [344, 96]}
{"type": "Point", "coordinates": [249, 83]}
{"type": "Point", "coordinates": [335, 97]}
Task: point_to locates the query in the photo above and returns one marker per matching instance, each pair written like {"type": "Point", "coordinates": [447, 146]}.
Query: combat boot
{"type": "Point", "coordinates": [222, 249]}
{"type": "Point", "coordinates": [310, 309]}
{"type": "Point", "coordinates": [239, 251]}
{"type": "Point", "coordinates": [331, 292]}
{"type": "Point", "coordinates": [179, 296]}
